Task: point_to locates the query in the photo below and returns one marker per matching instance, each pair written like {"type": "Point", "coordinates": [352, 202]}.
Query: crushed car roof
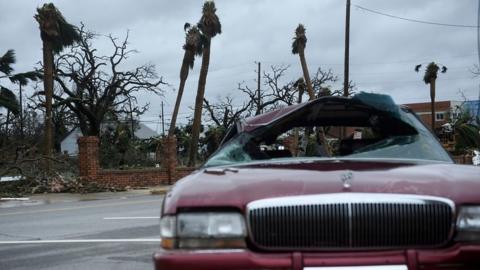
{"type": "Point", "coordinates": [379, 102]}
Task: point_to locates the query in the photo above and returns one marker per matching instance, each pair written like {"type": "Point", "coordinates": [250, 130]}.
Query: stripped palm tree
{"type": "Point", "coordinates": [210, 26]}
{"type": "Point", "coordinates": [430, 77]}
{"type": "Point", "coordinates": [56, 34]}
{"type": "Point", "coordinates": [298, 47]}
{"type": "Point", "coordinates": [192, 47]}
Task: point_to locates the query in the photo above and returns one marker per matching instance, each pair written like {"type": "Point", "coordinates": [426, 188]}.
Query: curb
{"type": "Point", "coordinates": [159, 190]}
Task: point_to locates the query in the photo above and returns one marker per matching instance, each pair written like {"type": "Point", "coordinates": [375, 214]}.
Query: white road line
{"type": "Point", "coordinates": [79, 207]}
{"type": "Point", "coordinates": [14, 199]}
{"type": "Point", "coordinates": [114, 218]}
{"type": "Point", "coordinates": [68, 241]}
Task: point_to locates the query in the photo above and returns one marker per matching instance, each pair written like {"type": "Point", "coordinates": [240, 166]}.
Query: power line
{"type": "Point", "coordinates": [410, 81]}
{"type": "Point", "coordinates": [414, 20]}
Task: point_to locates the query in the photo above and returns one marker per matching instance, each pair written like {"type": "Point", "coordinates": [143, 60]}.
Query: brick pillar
{"type": "Point", "coordinates": [88, 163]}
{"type": "Point", "coordinates": [169, 160]}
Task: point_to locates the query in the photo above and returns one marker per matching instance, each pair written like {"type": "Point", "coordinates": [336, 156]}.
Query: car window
{"type": "Point", "coordinates": [362, 132]}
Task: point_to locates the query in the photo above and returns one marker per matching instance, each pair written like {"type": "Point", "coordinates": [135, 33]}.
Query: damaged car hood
{"type": "Point", "coordinates": [237, 186]}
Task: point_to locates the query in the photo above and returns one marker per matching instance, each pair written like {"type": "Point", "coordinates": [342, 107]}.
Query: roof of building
{"type": "Point", "coordinates": [142, 132]}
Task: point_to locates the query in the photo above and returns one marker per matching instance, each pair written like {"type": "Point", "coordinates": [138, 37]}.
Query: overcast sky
{"type": "Point", "coordinates": [383, 50]}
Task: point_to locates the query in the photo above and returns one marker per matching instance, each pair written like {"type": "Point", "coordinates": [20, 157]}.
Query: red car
{"type": "Point", "coordinates": [336, 183]}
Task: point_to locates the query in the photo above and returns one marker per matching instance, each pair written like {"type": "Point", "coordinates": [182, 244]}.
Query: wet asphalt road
{"type": "Point", "coordinates": [85, 229]}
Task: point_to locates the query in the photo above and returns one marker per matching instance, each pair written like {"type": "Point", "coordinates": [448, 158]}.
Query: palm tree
{"type": "Point", "coordinates": [210, 26]}
{"type": "Point", "coordinates": [430, 76]}
{"type": "Point", "coordinates": [8, 99]}
{"type": "Point", "coordinates": [298, 47]}
{"type": "Point", "coordinates": [192, 47]}
{"type": "Point", "coordinates": [56, 34]}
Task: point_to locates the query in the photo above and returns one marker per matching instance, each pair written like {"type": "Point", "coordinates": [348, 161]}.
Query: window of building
{"type": "Point", "coordinates": [439, 116]}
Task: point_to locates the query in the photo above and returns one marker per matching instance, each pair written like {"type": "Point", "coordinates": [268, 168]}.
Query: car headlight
{"type": "Point", "coordinates": [468, 224]}
{"type": "Point", "coordinates": [203, 230]}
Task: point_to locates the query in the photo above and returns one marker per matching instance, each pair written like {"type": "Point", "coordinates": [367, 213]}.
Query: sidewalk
{"type": "Point", "coordinates": [49, 198]}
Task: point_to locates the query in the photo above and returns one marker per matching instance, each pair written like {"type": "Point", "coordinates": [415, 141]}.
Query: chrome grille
{"type": "Point", "coordinates": [350, 221]}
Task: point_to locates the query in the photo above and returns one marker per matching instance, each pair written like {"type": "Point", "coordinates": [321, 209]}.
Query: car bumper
{"type": "Point", "coordinates": [456, 257]}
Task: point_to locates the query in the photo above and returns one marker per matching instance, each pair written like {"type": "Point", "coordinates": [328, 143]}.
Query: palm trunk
{"type": "Point", "coordinates": [311, 95]}
{"type": "Point", "coordinates": [48, 88]}
{"type": "Point", "coordinates": [296, 135]}
{"type": "Point", "coordinates": [7, 123]}
{"type": "Point", "coordinates": [183, 79]}
{"type": "Point", "coordinates": [197, 116]}
{"type": "Point", "coordinates": [170, 149]}
{"type": "Point", "coordinates": [432, 103]}
{"type": "Point", "coordinates": [21, 113]}
{"type": "Point", "coordinates": [306, 75]}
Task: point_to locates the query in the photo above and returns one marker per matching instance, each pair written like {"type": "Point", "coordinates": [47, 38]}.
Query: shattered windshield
{"type": "Point", "coordinates": [335, 128]}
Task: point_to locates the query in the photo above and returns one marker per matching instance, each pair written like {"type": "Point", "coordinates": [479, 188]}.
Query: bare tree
{"type": "Point", "coordinates": [279, 93]}
{"type": "Point", "coordinates": [224, 113]}
{"type": "Point", "coordinates": [93, 86]}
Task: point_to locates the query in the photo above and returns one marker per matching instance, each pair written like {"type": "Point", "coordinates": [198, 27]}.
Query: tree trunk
{"type": "Point", "coordinates": [306, 75]}
{"type": "Point", "coordinates": [197, 116]}
{"type": "Point", "coordinates": [432, 103]}
{"type": "Point", "coordinates": [173, 122]}
{"type": "Point", "coordinates": [21, 113]}
{"type": "Point", "coordinates": [7, 123]}
{"type": "Point", "coordinates": [311, 95]}
{"type": "Point", "coordinates": [48, 88]}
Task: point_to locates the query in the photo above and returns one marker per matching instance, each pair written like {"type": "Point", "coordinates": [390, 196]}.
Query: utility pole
{"type": "Point", "coordinates": [259, 101]}
{"type": "Point", "coordinates": [347, 50]}
{"type": "Point", "coordinates": [21, 112]}
{"type": "Point", "coordinates": [163, 122]}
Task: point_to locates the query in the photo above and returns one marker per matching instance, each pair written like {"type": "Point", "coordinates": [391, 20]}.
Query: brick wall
{"type": "Point", "coordinates": [138, 178]}
{"type": "Point", "coordinates": [89, 168]}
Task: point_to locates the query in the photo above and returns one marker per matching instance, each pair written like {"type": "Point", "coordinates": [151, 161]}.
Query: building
{"type": "Point", "coordinates": [473, 108]}
{"type": "Point", "coordinates": [445, 111]}
{"type": "Point", "coordinates": [69, 143]}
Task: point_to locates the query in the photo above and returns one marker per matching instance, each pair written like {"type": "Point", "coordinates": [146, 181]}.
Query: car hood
{"type": "Point", "coordinates": [235, 187]}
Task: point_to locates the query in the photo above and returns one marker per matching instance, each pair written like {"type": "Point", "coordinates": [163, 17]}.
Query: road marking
{"type": "Point", "coordinates": [76, 208]}
{"type": "Point", "coordinates": [67, 241]}
{"type": "Point", "coordinates": [119, 218]}
{"type": "Point", "coordinates": [14, 199]}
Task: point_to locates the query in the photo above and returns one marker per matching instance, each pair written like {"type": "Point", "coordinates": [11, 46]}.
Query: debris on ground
{"type": "Point", "coordinates": [55, 184]}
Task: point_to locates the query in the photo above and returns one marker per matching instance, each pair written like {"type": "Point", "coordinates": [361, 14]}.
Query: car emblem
{"type": "Point", "coordinates": [347, 179]}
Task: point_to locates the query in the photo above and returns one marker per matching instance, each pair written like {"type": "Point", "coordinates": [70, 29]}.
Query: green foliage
{"type": "Point", "coordinates": [300, 39]}
{"type": "Point", "coordinates": [24, 78]}
{"type": "Point", "coordinates": [6, 61]}
{"type": "Point", "coordinates": [431, 72]}
{"type": "Point", "coordinates": [467, 134]}
{"type": "Point", "coordinates": [212, 139]}
{"type": "Point", "coordinates": [118, 148]}
{"type": "Point", "coordinates": [55, 29]}
{"type": "Point", "coordinates": [468, 137]}
{"type": "Point", "coordinates": [8, 100]}
{"type": "Point", "coordinates": [193, 43]}
{"type": "Point", "coordinates": [209, 23]}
